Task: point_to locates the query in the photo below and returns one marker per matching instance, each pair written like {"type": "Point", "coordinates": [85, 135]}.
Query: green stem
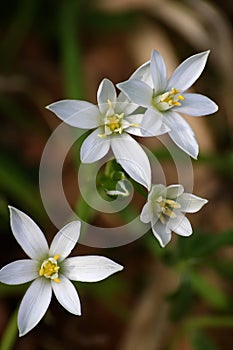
{"type": "Point", "coordinates": [10, 334]}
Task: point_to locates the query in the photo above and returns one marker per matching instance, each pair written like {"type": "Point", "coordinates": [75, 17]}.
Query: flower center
{"type": "Point", "coordinates": [114, 123]}
{"type": "Point", "coordinates": [167, 100]}
{"type": "Point", "coordinates": [167, 206]}
{"type": "Point", "coordinates": [49, 268]}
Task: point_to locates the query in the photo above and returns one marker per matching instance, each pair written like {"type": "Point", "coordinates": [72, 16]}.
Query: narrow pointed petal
{"type": "Point", "coordinates": [180, 225]}
{"type": "Point", "coordinates": [65, 240]}
{"type": "Point", "coordinates": [156, 191]}
{"type": "Point", "coordinates": [153, 123]}
{"type": "Point", "coordinates": [67, 295]}
{"type": "Point", "coordinates": [81, 114]}
{"type": "Point", "coordinates": [174, 191]}
{"type": "Point", "coordinates": [106, 91]}
{"type": "Point", "coordinates": [197, 105]}
{"type": "Point", "coordinates": [158, 72]}
{"type": "Point", "coordinates": [28, 234]}
{"type": "Point", "coordinates": [162, 233]}
{"type": "Point", "coordinates": [91, 268]}
{"type": "Point", "coordinates": [191, 203]}
{"type": "Point", "coordinates": [20, 271]}
{"type": "Point", "coordinates": [147, 213]}
{"type": "Point", "coordinates": [143, 73]}
{"type": "Point", "coordinates": [188, 72]}
{"type": "Point", "coordinates": [137, 91]}
{"type": "Point", "coordinates": [130, 155]}
{"type": "Point", "coordinates": [181, 133]}
{"type": "Point", "coordinates": [34, 305]}
{"type": "Point", "coordinates": [94, 147]}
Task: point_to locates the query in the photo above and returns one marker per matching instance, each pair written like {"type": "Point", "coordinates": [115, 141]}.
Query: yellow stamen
{"type": "Point", "coordinates": [49, 268]}
{"type": "Point", "coordinates": [109, 103]}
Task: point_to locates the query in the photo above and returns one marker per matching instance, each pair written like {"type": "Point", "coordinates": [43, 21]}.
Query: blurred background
{"type": "Point", "coordinates": [178, 298]}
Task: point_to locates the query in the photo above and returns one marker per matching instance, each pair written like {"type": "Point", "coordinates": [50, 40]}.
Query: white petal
{"type": "Point", "coordinates": [135, 120]}
{"type": "Point", "coordinates": [91, 268]}
{"type": "Point", "coordinates": [20, 271]}
{"type": "Point", "coordinates": [157, 191]}
{"type": "Point", "coordinates": [137, 91]}
{"type": "Point", "coordinates": [191, 203]}
{"type": "Point", "coordinates": [143, 73]}
{"type": "Point", "coordinates": [147, 213]}
{"type": "Point", "coordinates": [65, 240]}
{"type": "Point", "coordinates": [28, 234]}
{"type": "Point", "coordinates": [153, 123]}
{"type": "Point", "coordinates": [123, 188]}
{"type": "Point", "coordinates": [158, 72]}
{"type": "Point", "coordinates": [181, 133]}
{"type": "Point", "coordinates": [130, 155]}
{"type": "Point", "coordinates": [196, 105]}
{"type": "Point", "coordinates": [124, 105]}
{"type": "Point", "coordinates": [162, 233]}
{"type": "Point", "coordinates": [81, 114]}
{"type": "Point", "coordinates": [180, 225]}
{"type": "Point", "coordinates": [106, 91]}
{"type": "Point", "coordinates": [34, 305]}
{"type": "Point", "coordinates": [94, 147]}
{"type": "Point", "coordinates": [67, 295]}
{"type": "Point", "coordinates": [174, 191]}
{"type": "Point", "coordinates": [188, 72]}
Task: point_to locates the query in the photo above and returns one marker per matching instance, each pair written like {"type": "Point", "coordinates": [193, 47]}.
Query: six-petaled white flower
{"type": "Point", "coordinates": [114, 122]}
{"type": "Point", "coordinates": [165, 210]}
{"type": "Point", "coordinates": [165, 99]}
{"type": "Point", "coordinates": [50, 269]}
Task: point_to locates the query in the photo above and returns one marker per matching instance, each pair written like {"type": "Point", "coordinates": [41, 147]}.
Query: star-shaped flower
{"type": "Point", "coordinates": [165, 210]}
{"type": "Point", "coordinates": [50, 269]}
{"type": "Point", "coordinates": [114, 121]}
{"type": "Point", "coordinates": [165, 99]}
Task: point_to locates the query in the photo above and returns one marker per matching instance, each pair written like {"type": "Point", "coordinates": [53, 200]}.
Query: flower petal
{"type": "Point", "coordinates": [124, 105]}
{"type": "Point", "coordinates": [34, 305]}
{"type": "Point", "coordinates": [28, 234]}
{"type": "Point", "coordinates": [67, 295]}
{"type": "Point", "coordinates": [180, 225]}
{"type": "Point", "coordinates": [130, 155]}
{"type": "Point", "coordinates": [135, 120]}
{"type": "Point", "coordinates": [191, 203]}
{"type": "Point", "coordinates": [158, 72]}
{"type": "Point", "coordinates": [147, 213]}
{"type": "Point", "coordinates": [65, 240]}
{"type": "Point", "coordinates": [153, 123]}
{"type": "Point", "coordinates": [91, 268]}
{"type": "Point", "coordinates": [20, 271]}
{"type": "Point", "coordinates": [94, 147]}
{"type": "Point", "coordinates": [137, 91]}
{"type": "Point", "coordinates": [196, 105]}
{"type": "Point", "coordinates": [81, 114]}
{"type": "Point", "coordinates": [157, 191]}
{"type": "Point", "coordinates": [188, 72]}
{"type": "Point", "coordinates": [143, 73]}
{"type": "Point", "coordinates": [162, 233]}
{"type": "Point", "coordinates": [181, 133]}
{"type": "Point", "coordinates": [174, 191]}
{"type": "Point", "coordinates": [106, 91]}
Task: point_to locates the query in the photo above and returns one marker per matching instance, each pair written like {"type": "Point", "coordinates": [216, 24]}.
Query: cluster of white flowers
{"type": "Point", "coordinates": [159, 101]}
{"type": "Point", "coordinates": [148, 105]}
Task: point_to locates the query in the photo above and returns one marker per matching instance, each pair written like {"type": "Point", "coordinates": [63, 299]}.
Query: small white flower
{"type": "Point", "coordinates": [165, 210]}
{"type": "Point", "coordinates": [114, 122]}
{"type": "Point", "coordinates": [165, 99]}
{"type": "Point", "coordinates": [50, 269]}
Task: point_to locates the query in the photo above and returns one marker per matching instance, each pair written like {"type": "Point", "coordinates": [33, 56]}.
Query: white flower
{"type": "Point", "coordinates": [49, 269]}
{"type": "Point", "coordinates": [165, 99]}
{"type": "Point", "coordinates": [114, 122]}
{"type": "Point", "coordinates": [165, 210]}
